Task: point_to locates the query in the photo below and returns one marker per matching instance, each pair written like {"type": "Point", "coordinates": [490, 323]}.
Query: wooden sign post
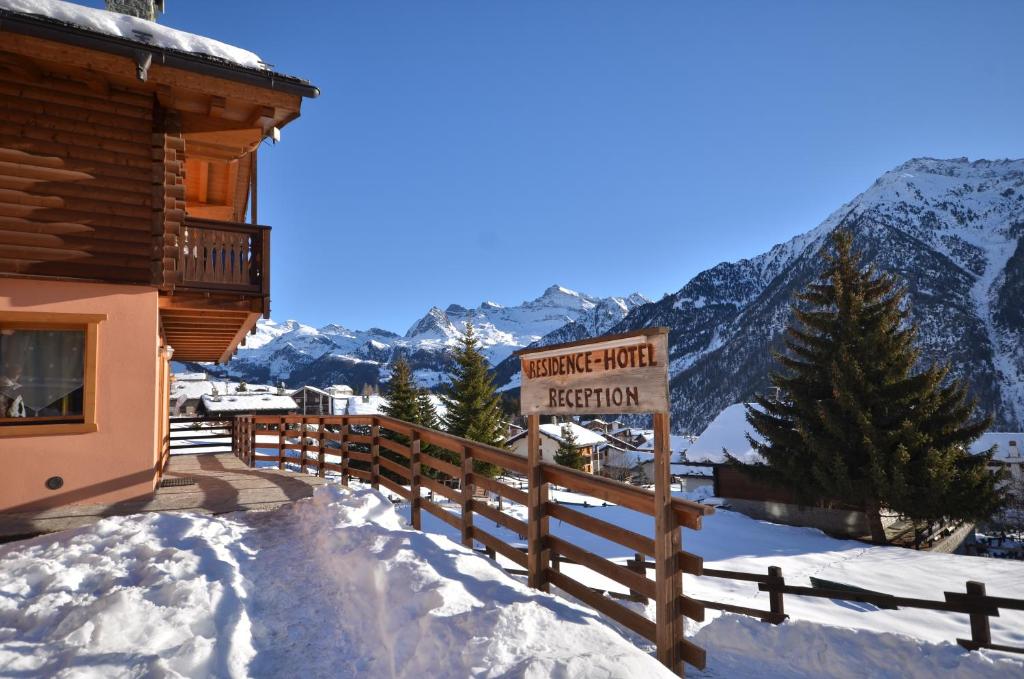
{"type": "Point", "coordinates": [613, 375]}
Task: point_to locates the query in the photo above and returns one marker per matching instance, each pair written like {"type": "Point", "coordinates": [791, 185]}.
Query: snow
{"type": "Point", "coordinates": [802, 649]}
{"type": "Point", "coordinates": [280, 348]}
{"type": "Point", "coordinates": [334, 585]}
{"type": "Point", "coordinates": [727, 431]}
{"type": "Point", "coordinates": [1002, 441]}
{"type": "Point", "coordinates": [584, 436]}
{"type": "Point", "coordinates": [134, 29]}
{"type": "Point", "coordinates": [732, 541]}
{"type": "Point", "coordinates": [247, 402]}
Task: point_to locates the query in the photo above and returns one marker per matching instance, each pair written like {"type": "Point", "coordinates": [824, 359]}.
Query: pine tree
{"type": "Point", "coordinates": [568, 453]}
{"type": "Point", "coordinates": [856, 422]}
{"type": "Point", "coordinates": [402, 394]}
{"type": "Point", "coordinates": [473, 407]}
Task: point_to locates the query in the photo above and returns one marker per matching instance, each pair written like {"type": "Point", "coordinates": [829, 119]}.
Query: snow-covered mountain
{"type": "Point", "coordinates": [301, 354]}
{"type": "Point", "coordinates": [953, 230]}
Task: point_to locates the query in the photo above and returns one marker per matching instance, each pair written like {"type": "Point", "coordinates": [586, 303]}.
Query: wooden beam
{"type": "Point", "coordinates": [217, 106]}
{"type": "Point", "coordinates": [249, 323]}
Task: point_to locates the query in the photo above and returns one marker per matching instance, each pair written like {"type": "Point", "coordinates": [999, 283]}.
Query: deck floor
{"type": "Point", "coordinates": [222, 484]}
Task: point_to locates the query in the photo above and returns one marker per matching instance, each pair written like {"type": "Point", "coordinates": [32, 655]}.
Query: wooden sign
{"type": "Point", "coordinates": [606, 375]}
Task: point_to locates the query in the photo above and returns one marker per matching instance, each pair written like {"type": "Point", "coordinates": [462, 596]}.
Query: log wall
{"type": "Point", "coordinates": [77, 180]}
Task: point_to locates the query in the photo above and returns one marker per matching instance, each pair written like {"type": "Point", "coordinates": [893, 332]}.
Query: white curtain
{"type": "Point", "coordinates": [41, 366]}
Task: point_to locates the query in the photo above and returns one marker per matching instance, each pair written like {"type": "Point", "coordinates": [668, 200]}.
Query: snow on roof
{"type": "Point", "coordinates": [691, 470]}
{"type": "Point", "coordinates": [584, 437]}
{"type": "Point", "coordinates": [625, 459]}
{"type": "Point", "coordinates": [134, 29]}
{"type": "Point", "coordinates": [366, 405]}
{"type": "Point", "coordinates": [309, 387]}
{"type": "Point", "coordinates": [729, 431]}
{"type": "Point", "coordinates": [677, 442]}
{"type": "Point", "coordinates": [186, 377]}
{"type": "Point", "coordinates": [248, 402]}
{"type": "Point", "coordinates": [1002, 441]}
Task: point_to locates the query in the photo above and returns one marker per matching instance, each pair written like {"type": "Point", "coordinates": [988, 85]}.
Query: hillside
{"type": "Point", "coordinates": [301, 354]}
{"type": "Point", "coordinates": [952, 229]}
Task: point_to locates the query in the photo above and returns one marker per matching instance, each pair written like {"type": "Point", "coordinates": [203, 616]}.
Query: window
{"type": "Point", "coordinates": [47, 373]}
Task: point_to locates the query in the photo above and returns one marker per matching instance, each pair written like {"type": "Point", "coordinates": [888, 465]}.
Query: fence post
{"type": "Point", "coordinates": [537, 554]}
{"type": "Point", "coordinates": [668, 582]}
{"type": "Point", "coordinates": [414, 481]}
{"type": "Point", "coordinates": [466, 486]}
{"type": "Point", "coordinates": [252, 440]}
{"type": "Point", "coordinates": [981, 633]}
{"type": "Point", "coordinates": [375, 454]}
{"type": "Point", "coordinates": [280, 443]}
{"type": "Point", "coordinates": [638, 564]}
{"type": "Point", "coordinates": [775, 595]}
{"type": "Point", "coordinates": [344, 451]}
{"type": "Point", "coordinates": [303, 432]}
{"type": "Point", "coordinates": [320, 453]}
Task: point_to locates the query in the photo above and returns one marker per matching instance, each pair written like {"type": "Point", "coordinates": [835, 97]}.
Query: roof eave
{"type": "Point", "coordinates": [49, 29]}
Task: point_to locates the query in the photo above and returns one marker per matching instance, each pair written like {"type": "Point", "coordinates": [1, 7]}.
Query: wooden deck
{"type": "Point", "coordinates": [222, 483]}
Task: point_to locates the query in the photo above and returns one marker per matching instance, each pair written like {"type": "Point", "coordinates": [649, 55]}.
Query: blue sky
{"type": "Point", "coordinates": [471, 151]}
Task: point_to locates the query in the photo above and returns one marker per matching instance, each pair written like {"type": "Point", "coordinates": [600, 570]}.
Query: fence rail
{"type": "Point", "coordinates": [199, 434]}
{"type": "Point", "coordinates": [975, 603]}
{"type": "Point", "coordinates": [420, 464]}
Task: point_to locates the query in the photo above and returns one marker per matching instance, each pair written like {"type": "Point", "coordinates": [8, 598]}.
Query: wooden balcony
{"type": "Point", "coordinates": [224, 257]}
{"type": "Point", "coordinates": [221, 287]}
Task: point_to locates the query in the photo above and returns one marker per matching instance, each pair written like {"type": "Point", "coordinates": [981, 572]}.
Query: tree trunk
{"type": "Point", "coordinates": [874, 515]}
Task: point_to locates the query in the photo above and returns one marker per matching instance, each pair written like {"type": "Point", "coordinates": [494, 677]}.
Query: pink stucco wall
{"type": "Point", "coordinates": [117, 461]}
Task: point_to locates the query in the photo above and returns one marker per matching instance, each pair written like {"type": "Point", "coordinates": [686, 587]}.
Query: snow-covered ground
{"type": "Point", "coordinates": [338, 585]}
{"type": "Point", "coordinates": [331, 586]}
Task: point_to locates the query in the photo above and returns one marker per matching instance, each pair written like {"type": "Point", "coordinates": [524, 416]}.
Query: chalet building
{"type": "Point", "coordinates": [129, 233]}
{"type": "Point", "coordinates": [587, 443]}
{"type": "Point", "coordinates": [313, 401]}
{"type": "Point", "coordinates": [602, 426]}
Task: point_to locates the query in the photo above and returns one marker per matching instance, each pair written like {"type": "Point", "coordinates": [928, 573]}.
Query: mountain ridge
{"type": "Point", "coordinates": [953, 230]}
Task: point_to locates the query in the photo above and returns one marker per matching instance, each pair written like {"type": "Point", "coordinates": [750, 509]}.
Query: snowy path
{"type": "Point", "coordinates": [335, 585]}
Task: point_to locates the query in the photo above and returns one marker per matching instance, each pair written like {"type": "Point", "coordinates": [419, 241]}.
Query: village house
{"type": "Point", "coordinates": [313, 401]}
{"type": "Point", "coordinates": [603, 427]}
{"type": "Point", "coordinates": [551, 437]}
{"type": "Point", "coordinates": [129, 233]}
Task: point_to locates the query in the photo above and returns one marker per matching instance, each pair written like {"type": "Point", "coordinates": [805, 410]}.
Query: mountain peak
{"type": "Point", "coordinates": [435, 323]}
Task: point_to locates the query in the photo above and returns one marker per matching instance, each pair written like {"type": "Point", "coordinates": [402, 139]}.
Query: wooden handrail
{"type": "Point", "coordinates": [544, 551]}
{"type": "Point", "coordinates": [223, 256]}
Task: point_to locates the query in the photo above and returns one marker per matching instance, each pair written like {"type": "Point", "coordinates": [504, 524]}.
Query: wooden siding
{"type": "Point", "coordinates": [76, 179]}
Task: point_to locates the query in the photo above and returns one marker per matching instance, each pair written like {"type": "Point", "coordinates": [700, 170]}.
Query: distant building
{"type": "Point", "coordinates": [313, 401]}
{"type": "Point", "coordinates": [587, 442]}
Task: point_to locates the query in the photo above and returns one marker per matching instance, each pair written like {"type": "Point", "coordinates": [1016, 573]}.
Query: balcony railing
{"type": "Point", "coordinates": [224, 257]}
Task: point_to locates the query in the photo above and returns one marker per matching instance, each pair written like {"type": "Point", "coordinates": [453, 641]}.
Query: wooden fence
{"type": "Point", "coordinates": [199, 434]}
{"type": "Point", "coordinates": [975, 603]}
{"type": "Point", "coordinates": [359, 441]}
{"type": "Point", "coordinates": [379, 450]}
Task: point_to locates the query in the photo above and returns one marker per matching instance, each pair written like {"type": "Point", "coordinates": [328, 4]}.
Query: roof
{"type": "Point", "coordinates": [584, 437]}
{"type": "Point", "coordinates": [248, 403]}
{"type": "Point", "coordinates": [728, 430]}
{"type": "Point", "coordinates": [126, 35]}
{"type": "Point", "coordinates": [310, 387]}
{"type": "Point", "coordinates": [1002, 441]}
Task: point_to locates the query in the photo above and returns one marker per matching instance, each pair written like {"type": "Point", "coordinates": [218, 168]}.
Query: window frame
{"type": "Point", "coordinates": [87, 323]}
